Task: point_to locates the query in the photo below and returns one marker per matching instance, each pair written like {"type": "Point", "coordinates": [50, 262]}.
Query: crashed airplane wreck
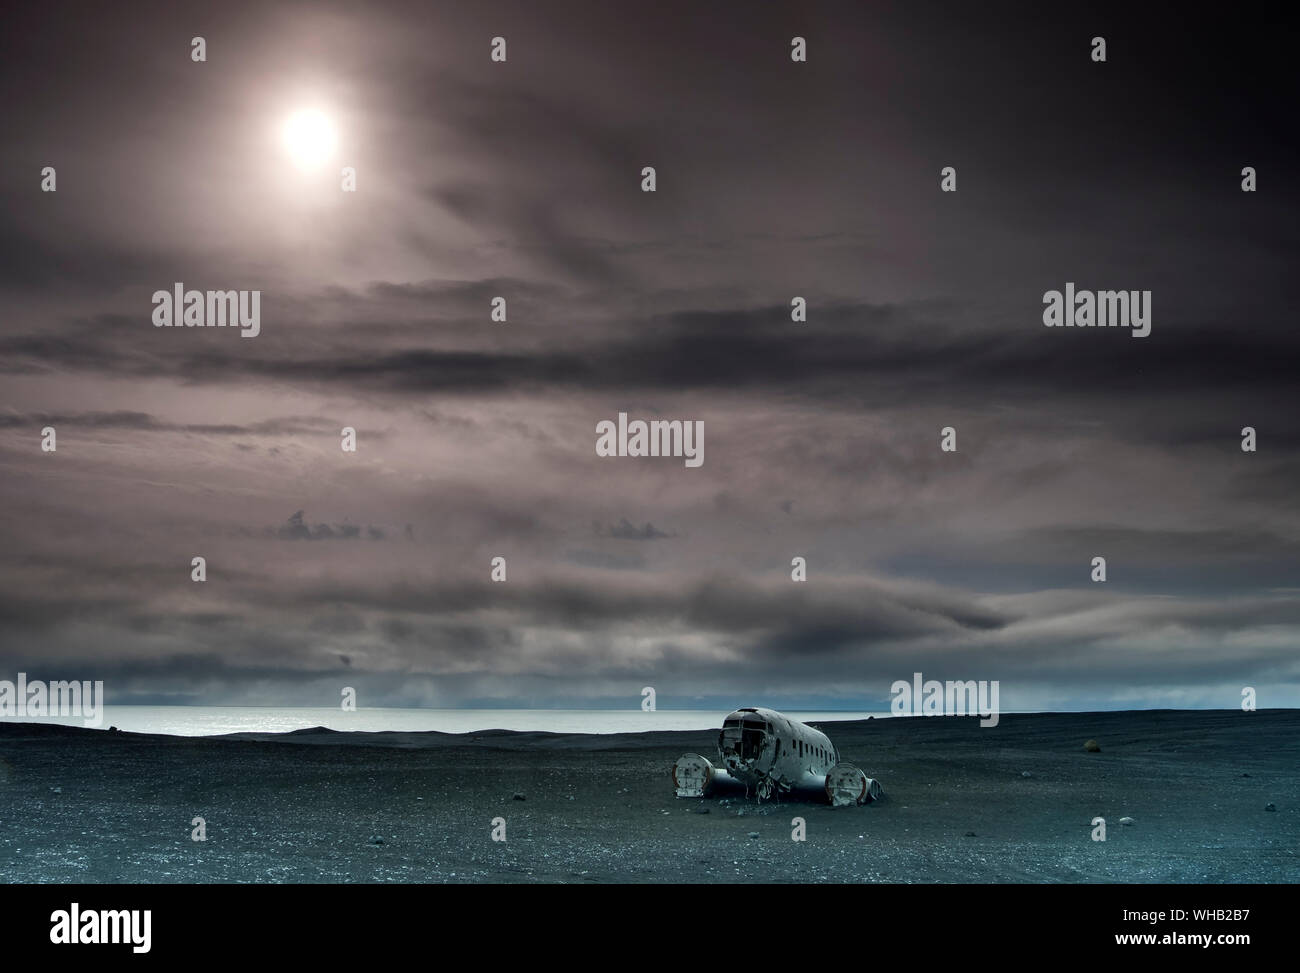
{"type": "Point", "coordinates": [770, 753]}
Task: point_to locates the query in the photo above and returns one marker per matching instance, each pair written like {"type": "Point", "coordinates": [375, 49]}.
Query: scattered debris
{"type": "Point", "coordinates": [57, 790]}
{"type": "Point", "coordinates": [1092, 746]}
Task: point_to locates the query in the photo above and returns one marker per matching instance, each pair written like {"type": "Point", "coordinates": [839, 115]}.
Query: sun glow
{"type": "Point", "coordinates": [309, 138]}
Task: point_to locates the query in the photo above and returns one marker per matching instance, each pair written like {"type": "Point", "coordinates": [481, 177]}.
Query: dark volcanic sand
{"type": "Point", "coordinates": [304, 807]}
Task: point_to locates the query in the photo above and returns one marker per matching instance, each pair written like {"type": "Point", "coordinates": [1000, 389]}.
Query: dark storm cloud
{"type": "Point", "coordinates": [296, 528]}
{"type": "Point", "coordinates": [611, 562]}
{"type": "Point", "coordinates": [521, 180]}
{"type": "Point", "coordinates": [627, 531]}
{"type": "Point", "coordinates": [863, 355]}
{"type": "Point", "coordinates": [541, 233]}
{"type": "Point", "coordinates": [287, 426]}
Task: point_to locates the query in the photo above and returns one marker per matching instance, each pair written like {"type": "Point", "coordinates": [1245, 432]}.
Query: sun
{"type": "Point", "coordinates": [310, 138]}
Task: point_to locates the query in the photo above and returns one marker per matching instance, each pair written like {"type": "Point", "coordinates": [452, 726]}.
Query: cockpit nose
{"type": "Point", "coordinates": [742, 741]}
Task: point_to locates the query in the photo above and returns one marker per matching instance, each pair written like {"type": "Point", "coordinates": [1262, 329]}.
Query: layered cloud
{"type": "Point", "coordinates": [475, 438]}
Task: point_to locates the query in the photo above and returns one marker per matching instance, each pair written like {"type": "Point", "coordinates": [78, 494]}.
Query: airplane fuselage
{"type": "Point", "coordinates": [766, 752]}
{"type": "Point", "coordinates": [769, 751]}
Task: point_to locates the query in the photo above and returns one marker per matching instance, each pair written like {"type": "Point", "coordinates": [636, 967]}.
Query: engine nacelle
{"type": "Point", "coordinates": [846, 784]}
{"type": "Point", "coordinates": [692, 775]}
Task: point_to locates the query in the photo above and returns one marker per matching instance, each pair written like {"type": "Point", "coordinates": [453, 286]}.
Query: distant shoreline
{"type": "Point", "coordinates": [323, 734]}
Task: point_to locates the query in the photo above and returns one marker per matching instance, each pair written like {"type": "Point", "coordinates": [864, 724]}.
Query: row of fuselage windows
{"type": "Point", "coordinates": [803, 749]}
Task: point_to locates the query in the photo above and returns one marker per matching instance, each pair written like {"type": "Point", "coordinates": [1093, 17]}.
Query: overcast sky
{"type": "Point", "coordinates": [822, 439]}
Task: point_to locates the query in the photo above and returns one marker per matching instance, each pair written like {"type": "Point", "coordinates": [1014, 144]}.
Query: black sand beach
{"type": "Point", "coordinates": [1012, 803]}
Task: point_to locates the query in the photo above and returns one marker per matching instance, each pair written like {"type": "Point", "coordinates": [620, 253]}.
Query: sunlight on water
{"type": "Point", "coordinates": [208, 720]}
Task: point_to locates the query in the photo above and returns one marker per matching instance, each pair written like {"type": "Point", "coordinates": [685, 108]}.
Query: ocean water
{"type": "Point", "coordinates": [210, 720]}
